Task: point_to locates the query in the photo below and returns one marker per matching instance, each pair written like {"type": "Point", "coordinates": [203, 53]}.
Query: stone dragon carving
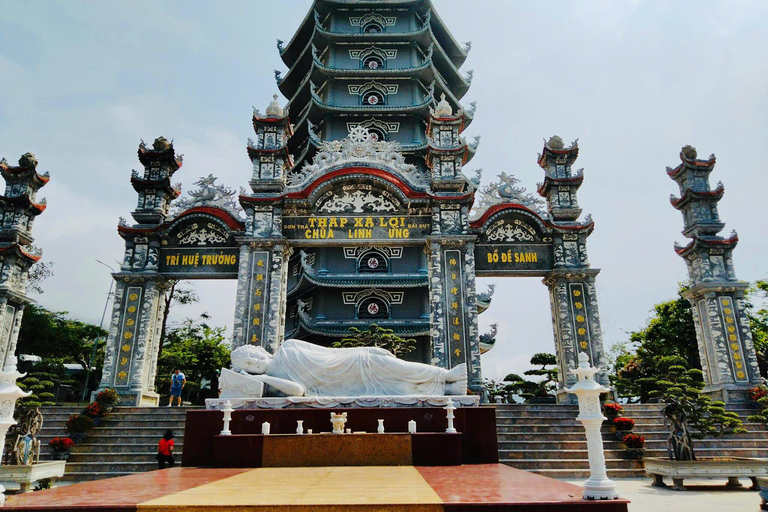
{"type": "Point", "coordinates": [506, 191]}
{"type": "Point", "coordinates": [209, 194]}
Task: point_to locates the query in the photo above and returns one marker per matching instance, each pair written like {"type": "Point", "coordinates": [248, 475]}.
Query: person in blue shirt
{"type": "Point", "coordinates": [177, 384]}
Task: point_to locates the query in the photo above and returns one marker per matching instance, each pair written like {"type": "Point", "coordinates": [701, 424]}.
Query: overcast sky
{"type": "Point", "coordinates": [82, 82]}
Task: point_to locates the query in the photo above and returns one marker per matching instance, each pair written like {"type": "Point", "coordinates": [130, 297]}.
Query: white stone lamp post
{"type": "Point", "coordinates": [450, 416]}
{"type": "Point", "coordinates": [227, 418]}
{"type": "Point", "coordinates": [588, 391]}
{"type": "Point", "coordinates": [9, 393]}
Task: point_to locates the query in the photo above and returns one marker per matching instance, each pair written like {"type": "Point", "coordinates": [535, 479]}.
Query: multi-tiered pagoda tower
{"type": "Point", "coordinates": [370, 69]}
{"type": "Point", "coordinates": [728, 358]}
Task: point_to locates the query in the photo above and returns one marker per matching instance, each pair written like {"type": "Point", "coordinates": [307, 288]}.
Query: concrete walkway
{"type": "Point", "coordinates": [701, 496]}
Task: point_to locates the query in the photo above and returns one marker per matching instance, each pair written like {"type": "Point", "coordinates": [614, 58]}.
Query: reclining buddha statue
{"type": "Point", "coordinates": [299, 368]}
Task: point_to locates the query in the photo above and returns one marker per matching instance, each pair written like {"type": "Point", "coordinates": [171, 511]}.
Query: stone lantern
{"type": "Point", "coordinates": [588, 392]}
{"type": "Point", "coordinates": [9, 393]}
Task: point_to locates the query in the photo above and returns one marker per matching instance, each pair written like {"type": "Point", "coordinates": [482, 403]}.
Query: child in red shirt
{"type": "Point", "coordinates": [165, 450]}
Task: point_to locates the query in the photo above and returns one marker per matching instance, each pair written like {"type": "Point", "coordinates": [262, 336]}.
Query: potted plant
{"type": "Point", "coordinates": [623, 426]}
{"type": "Point", "coordinates": [690, 415]}
{"type": "Point", "coordinates": [635, 446]}
{"type": "Point", "coordinates": [95, 412]}
{"type": "Point", "coordinates": [612, 410]}
{"type": "Point", "coordinates": [107, 399]}
{"type": "Point", "coordinates": [77, 426]}
{"type": "Point", "coordinates": [61, 447]}
{"type": "Point", "coordinates": [756, 393]}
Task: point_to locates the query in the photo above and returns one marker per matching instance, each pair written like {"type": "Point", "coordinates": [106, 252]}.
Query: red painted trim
{"type": "Point", "coordinates": [728, 241]}
{"type": "Point", "coordinates": [479, 223]}
{"type": "Point", "coordinates": [403, 186]}
{"type": "Point", "coordinates": [220, 214]}
{"type": "Point", "coordinates": [21, 170]}
{"type": "Point", "coordinates": [20, 251]}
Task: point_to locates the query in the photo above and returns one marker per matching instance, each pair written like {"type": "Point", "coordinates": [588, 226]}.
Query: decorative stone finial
{"type": "Point", "coordinates": [161, 144]}
{"type": "Point", "coordinates": [274, 109]}
{"type": "Point", "coordinates": [443, 107]}
{"type": "Point", "coordinates": [689, 152]}
{"type": "Point", "coordinates": [555, 142]}
{"type": "Point", "coordinates": [28, 160]}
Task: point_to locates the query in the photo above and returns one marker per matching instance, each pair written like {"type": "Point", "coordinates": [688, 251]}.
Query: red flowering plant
{"type": "Point", "coordinates": [611, 410]}
{"type": "Point", "coordinates": [107, 398]}
{"type": "Point", "coordinates": [61, 444]}
{"type": "Point", "coordinates": [79, 424]}
{"type": "Point", "coordinates": [93, 410]}
{"type": "Point", "coordinates": [633, 441]}
{"type": "Point", "coordinates": [623, 424]}
{"type": "Point", "coordinates": [757, 393]}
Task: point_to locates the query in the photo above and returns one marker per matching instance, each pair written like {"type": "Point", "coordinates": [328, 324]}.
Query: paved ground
{"type": "Point", "coordinates": [701, 496]}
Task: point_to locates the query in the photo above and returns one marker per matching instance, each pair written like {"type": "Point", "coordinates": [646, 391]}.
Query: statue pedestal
{"type": "Point", "coordinates": [342, 402]}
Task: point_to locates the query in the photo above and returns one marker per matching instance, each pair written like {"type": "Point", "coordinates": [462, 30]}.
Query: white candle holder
{"type": "Point", "coordinates": [450, 416]}
{"type": "Point", "coordinates": [265, 428]}
{"type": "Point", "coordinates": [380, 428]}
{"type": "Point", "coordinates": [412, 427]}
{"type": "Point", "coordinates": [588, 391]}
{"type": "Point", "coordinates": [300, 427]}
{"type": "Point", "coordinates": [227, 418]}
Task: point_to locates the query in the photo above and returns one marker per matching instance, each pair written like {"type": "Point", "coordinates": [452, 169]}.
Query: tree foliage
{"type": "Point", "coordinates": [177, 294]}
{"type": "Point", "coordinates": [39, 272]}
{"type": "Point", "coordinates": [758, 323]}
{"type": "Point", "coordinates": [199, 351]}
{"type": "Point", "coordinates": [669, 333]}
{"type": "Point", "coordinates": [688, 414]}
{"type": "Point", "coordinates": [535, 390]}
{"type": "Point", "coordinates": [377, 337]}
{"type": "Point", "coordinates": [51, 335]}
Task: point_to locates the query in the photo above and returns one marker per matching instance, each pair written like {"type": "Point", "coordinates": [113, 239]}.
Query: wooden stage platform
{"type": "Point", "coordinates": [477, 487]}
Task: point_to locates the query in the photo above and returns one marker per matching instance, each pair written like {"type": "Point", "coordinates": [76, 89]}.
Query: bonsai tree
{"type": "Point", "coordinates": [688, 414]}
{"type": "Point", "coordinates": [494, 388]}
{"type": "Point", "coordinates": [377, 337]}
{"type": "Point", "coordinates": [537, 390]}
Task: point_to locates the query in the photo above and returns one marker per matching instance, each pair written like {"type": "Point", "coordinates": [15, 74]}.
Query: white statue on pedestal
{"type": "Point", "coordinates": [305, 369]}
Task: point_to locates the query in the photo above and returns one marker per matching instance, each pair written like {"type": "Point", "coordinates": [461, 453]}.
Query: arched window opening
{"type": "Point", "coordinates": [373, 98]}
{"type": "Point", "coordinates": [373, 307]}
{"type": "Point", "coordinates": [373, 28]}
{"type": "Point", "coordinates": [373, 261]}
{"type": "Point", "coordinates": [373, 62]}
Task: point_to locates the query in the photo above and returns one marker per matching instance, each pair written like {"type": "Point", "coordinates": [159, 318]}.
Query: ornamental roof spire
{"type": "Point", "coordinates": [443, 107]}
{"type": "Point", "coordinates": [274, 109]}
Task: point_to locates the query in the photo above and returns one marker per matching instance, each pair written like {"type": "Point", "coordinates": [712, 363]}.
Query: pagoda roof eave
{"type": "Point", "coordinates": [378, 280]}
{"type": "Point", "coordinates": [338, 328]}
{"type": "Point", "coordinates": [14, 172]}
{"type": "Point", "coordinates": [706, 243]}
{"type": "Point", "coordinates": [146, 157]}
{"type": "Point", "coordinates": [17, 250]}
{"type": "Point", "coordinates": [164, 184]}
{"type": "Point", "coordinates": [458, 54]}
{"type": "Point", "coordinates": [25, 202]}
{"type": "Point", "coordinates": [553, 182]}
{"type": "Point", "coordinates": [571, 153]}
{"type": "Point", "coordinates": [692, 195]}
{"type": "Point", "coordinates": [692, 163]}
{"type": "Point", "coordinates": [419, 108]}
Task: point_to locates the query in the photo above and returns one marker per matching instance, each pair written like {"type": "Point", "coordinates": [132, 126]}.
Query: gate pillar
{"type": "Point", "coordinates": [576, 325]}
{"type": "Point", "coordinates": [130, 359]}
{"type": "Point", "coordinates": [453, 311]}
{"type": "Point", "coordinates": [261, 291]}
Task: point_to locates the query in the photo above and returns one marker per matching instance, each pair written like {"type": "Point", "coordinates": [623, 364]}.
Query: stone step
{"type": "Point", "coordinates": [722, 443]}
{"type": "Point", "coordinates": [49, 418]}
{"type": "Point", "coordinates": [133, 467]}
{"type": "Point", "coordinates": [530, 464]}
{"type": "Point", "coordinates": [61, 427]}
{"type": "Point", "coordinates": [553, 422]}
{"type": "Point", "coordinates": [123, 457]}
{"type": "Point", "coordinates": [122, 439]}
{"type": "Point", "coordinates": [121, 448]}
{"type": "Point", "coordinates": [84, 476]}
{"type": "Point", "coordinates": [620, 453]}
{"type": "Point", "coordinates": [584, 473]}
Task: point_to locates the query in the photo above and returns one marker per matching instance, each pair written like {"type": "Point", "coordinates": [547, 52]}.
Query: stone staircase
{"type": "Point", "coordinates": [547, 439]}
{"type": "Point", "coordinates": [125, 443]}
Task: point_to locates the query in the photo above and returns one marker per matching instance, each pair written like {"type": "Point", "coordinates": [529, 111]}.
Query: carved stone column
{"type": "Point", "coordinates": [261, 289]}
{"type": "Point", "coordinates": [576, 324]}
{"type": "Point", "coordinates": [130, 361]}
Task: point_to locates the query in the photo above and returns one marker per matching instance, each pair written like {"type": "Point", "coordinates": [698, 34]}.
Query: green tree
{"type": "Point", "coordinates": [670, 332]}
{"type": "Point", "coordinates": [689, 415]}
{"type": "Point", "coordinates": [377, 337]}
{"type": "Point", "coordinates": [540, 389]}
{"type": "Point", "coordinates": [758, 323]}
{"type": "Point", "coordinates": [198, 350]}
{"type": "Point", "coordinates": [175, 295]}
